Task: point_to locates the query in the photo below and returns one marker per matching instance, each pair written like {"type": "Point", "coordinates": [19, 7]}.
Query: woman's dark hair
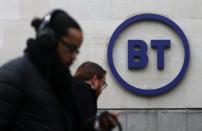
{"type": "Point", "coordinates": [60, 21]}
{"type": "Point", "coordinates": [87, 70]}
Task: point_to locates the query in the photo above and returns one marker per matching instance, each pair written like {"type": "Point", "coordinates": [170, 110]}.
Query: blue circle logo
{"type": "Point", "coordinates": [157, 18]}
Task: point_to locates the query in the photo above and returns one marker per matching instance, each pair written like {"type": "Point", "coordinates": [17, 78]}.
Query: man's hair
{"type": "Point", "coordinates": [60, 21]}
{"type": "Point", "coordinates": [87, 70]}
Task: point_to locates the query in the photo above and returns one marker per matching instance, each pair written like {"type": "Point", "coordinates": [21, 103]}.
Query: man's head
{"type": "Point", "coordinates": [92, 74]}
{"type": "Point", "coordinates": [58, 32]}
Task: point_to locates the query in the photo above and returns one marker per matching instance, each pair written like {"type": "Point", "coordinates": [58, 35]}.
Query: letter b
{"type": "Point", "coordinates": [137, 54]}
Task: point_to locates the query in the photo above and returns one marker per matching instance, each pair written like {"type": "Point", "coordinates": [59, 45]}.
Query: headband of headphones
{"type": "Point", "coordinates": [46, 34]}
{"type": "Point", "coordinates": [48, 18]}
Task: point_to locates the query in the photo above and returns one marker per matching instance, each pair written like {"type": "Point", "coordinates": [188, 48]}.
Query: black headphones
{"type": "Point", "coordinates": [45, 34]}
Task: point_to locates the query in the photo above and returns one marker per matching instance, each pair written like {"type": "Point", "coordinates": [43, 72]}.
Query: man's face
{"type": "Point", "coordinates": [69, 45]}
{"type": "Point", "coordinates": [99, 85]}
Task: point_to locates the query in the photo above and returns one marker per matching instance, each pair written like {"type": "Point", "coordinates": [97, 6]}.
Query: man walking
{"type": "Point", "coordinates": [32, 87]}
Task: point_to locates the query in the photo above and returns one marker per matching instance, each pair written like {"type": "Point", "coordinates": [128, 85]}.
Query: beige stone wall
{"type": "Point", "coordinates": [99, 18]}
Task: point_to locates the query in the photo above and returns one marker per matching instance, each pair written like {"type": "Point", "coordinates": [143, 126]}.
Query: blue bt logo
{"type": "Point", "coordinates": [138, 53]}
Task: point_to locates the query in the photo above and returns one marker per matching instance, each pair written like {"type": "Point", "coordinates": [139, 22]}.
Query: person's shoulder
{"type": "Point", "coordinates": [77, 81]}
{"type": "Point", "coordinates": [15, 65]}
{"type": "Point", "coordinates": [15, 69]}
{"type": "Point", "coordinates": [81, 89]}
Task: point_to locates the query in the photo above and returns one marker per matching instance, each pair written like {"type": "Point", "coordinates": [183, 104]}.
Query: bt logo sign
{"type": "Point", "coordinates": [138, 53]}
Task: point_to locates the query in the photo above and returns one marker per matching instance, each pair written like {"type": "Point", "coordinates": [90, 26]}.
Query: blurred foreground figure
{"type": "Point", "coordinates": [32, 87]}
{"type": "Point", "coordinates": [89, 81]}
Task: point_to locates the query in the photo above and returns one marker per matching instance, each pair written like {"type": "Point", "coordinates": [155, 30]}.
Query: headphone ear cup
{"type": "Point", "coordinates": [47, 38]}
